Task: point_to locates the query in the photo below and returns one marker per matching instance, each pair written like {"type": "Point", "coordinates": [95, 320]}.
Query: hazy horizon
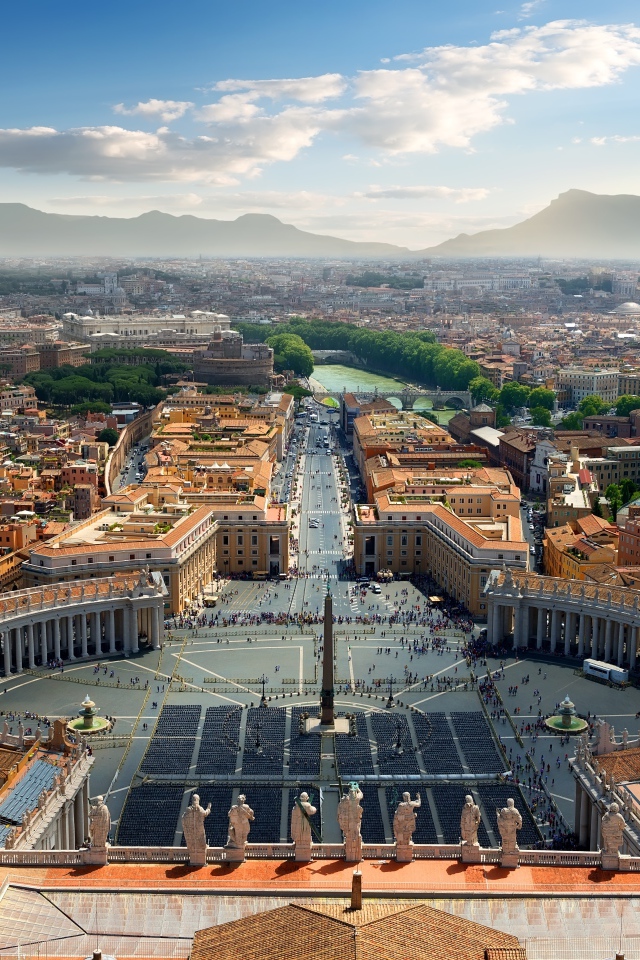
{"type": "Point", "coordinates": [405, 125]}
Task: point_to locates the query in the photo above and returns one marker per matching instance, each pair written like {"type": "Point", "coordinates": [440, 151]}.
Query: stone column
{"type": "Point", "coordinates": [583, 830]}
{"type": "Point", "coordinates": [6, 647]}
{"type": "Point", "coordinates": [56, 637]}
{"type": "Point", "coordinates": [581, 632]}
{"type": "Point", "coordinates": [576, 811]}
{"type": "Point", "coordinates": [569, 632]}
{"type": "Point", "coordinates": [155, 627]}
{"type": "Point", "coordinates": [497, 624]}
{"type": "Point", "coordinates": [595, 636]}
{"type": "Point", "coordinates": [526, 626]}
{"type": "Point", "coordinates": [620, 643]}
{"type": "Point", "coordinates": [593, 829]}
{"type": "Point", "coordinates": [608, 630]}
{"type": "Point", "coordinates": [71, 828]}
{"type": "Point", "coordinates": [542, 627]}
{"type": "Point", "coordinates": [83, 635]}
{"type": "Point", "coordinates": [633, 647]}
{"type": "Point", "coordinates": [96, 633]}
{"type": "Point", "coordinates": [79, 818]}
{"type": "Point", "coordinates": [31, 647]}
{"type": "Point", "coordinates": [70, 654]}
{"type": "Point", "coordinates": [517, 625]}
{"type": "Point", "coordinates": [19, 648]}
{"type": "Point", "coordinates": [44, 654]}
{"type": "Point", "coordinates": [554, 628]}
{"type": "Point", "coordinates": [133, 629]}
{"type": "Point", "coordinates": [110, 628]}
{"type": "Point", "coordinates": [490, 605]}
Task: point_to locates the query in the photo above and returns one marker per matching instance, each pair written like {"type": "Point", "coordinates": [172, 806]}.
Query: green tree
{"type": "Point", "coordinates": [291, 353]}
{"type": "Point", "coordinates": [593, 406]}
{"type": "Point", "coordinates": [90, 406]}
{"type": "Point", "coordinates": [502, 417]}
{"type": "Point", "coordinates": [470, 464]}
{"type": "Point", "coordinates": [627, 489]}
{"type": "Point", "coordinates": [108, 435]}
{"type": "Point", "coordinates": [573, 421]}
{"type": "Point", "coordinates": [514, 395]}
{"type": "Point", "coordinates": [613, 494]}
{"type": "Point", "coordinates": [597, 507]}
{"type": "Point", "coordinates": [625, 404]}
{"type": "Point", "coordinates": [540, 416]}
{"type": "Point", "coordinates": [297, 391]}
{"type": "Point", "coordinates": [542, 397]}
{"type": "Point", "coordinates": [481, 389]}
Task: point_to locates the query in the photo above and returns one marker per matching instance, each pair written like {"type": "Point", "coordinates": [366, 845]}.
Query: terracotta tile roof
{"type": "Point", "coordinates": [592, 524]}
{"type": "Point", "coordinates": [623, 765]}
{"type": "Point", "coordinates": [335, 932]}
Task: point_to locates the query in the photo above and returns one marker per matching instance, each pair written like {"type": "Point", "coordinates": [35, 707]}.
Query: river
{"type": "Point", "coordinates": [335, 377]}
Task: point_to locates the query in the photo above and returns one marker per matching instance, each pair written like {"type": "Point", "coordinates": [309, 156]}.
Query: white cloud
{"type": "Point", "coordinates": [113, 153]}
{"type": "Point", "coordinates": [442, 97]}
{"type": "Point", "coordinates": [304, 89]}
{"type": "Point", "coordinates": [167, 110]}
{"type": "Point", "coordinates": [527, 9]}
{"type": "Point", "coordinates": [457, 194]}
{"type": "Point", "coordinates": [602, 141]}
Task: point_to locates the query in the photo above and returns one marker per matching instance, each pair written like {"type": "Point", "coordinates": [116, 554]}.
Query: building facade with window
{"type": "Point", "coordinates": [456, 537]}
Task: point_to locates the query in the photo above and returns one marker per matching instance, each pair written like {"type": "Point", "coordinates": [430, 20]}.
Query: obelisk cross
{"type": "Point", "coordinates": [326, 698]}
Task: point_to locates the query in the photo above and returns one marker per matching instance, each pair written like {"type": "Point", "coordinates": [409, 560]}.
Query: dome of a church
{"type": "Point", "coordinates": [628, 309]}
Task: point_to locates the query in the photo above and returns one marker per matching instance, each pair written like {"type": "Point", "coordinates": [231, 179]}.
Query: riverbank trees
{"type": "Point", "coordinates": [410, 356]}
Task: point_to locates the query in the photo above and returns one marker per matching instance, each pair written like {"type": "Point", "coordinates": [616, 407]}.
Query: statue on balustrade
{"type": "Point", "coordinates": [349, 819]}
{"type": "Point", "coordinates": [240, 817]}
{"type": "Point", "coordinates": [404, 819]}
{"type": "Point", "coordinates": [612, 829]}
{"type": "Point", "coordinates": [469, 822]}
{"type": "Point", "coordinates": [99, 823]}
{"type": "Point", "coordinates": [301, 815]}
{"type": "Point", "coordinates": [193, 829]}
{"type": "Point", "coordinates": [509, 822]}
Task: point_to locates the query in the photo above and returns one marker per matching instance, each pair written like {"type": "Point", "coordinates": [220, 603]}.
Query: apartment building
{"type": "Point", "coordinates": [583, 382]}
{"type": "Point", "coordinates": [455, 532]}
{"type": "Point", "coordinates": [395, 432]}
{"type": "Point", "coordinates": [178, 543]}
{"type": "Point", "coordinates": [574, 550]}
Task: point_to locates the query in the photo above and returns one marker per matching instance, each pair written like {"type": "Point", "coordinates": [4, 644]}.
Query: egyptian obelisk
{"type": "Point", "coordinates": [326, 697]}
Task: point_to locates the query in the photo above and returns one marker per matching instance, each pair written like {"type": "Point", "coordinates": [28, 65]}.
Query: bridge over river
{"type": "Point", "coordinates": [460, 399]}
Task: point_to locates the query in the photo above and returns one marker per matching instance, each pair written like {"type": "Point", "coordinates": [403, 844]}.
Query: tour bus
{"type": "Point", "coordinates": [598, 670]}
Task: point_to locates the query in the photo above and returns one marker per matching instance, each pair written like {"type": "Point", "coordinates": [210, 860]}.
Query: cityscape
{"type": "Point", "coordinates": [320, 483]}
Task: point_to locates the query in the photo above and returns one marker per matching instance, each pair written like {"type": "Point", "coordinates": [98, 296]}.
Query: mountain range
{"type": "Point", "coordinates": [576, 224]}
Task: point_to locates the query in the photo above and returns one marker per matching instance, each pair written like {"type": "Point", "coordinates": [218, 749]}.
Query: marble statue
{"type": "Point", "coordinates": [349, 819]}
{"type": "Point", "coordinates": [193, 829]}
{"type": "Point", "coordinates": [240, 816]}
{"type": "Point", "coordinates": [404, 819]}
{"type": "Point", "coordinates": [612, 828]}
{"type": "Point", "coordinates": [301, 815]}
{"type": "Point", "coordinates": [99, 823]}
{"type": "Point", "coordinates": [509, 822]}
{"type": "Point", "coordinates": [469, 822]}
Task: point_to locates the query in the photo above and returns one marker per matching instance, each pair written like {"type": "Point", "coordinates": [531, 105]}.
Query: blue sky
{"type": "Point", "coordinates": [407, 122]}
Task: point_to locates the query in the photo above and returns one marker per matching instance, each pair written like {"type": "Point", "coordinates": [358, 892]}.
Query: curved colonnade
{"type": "Point", "coordinates": [75, 621]}
{"type": "Point", "coordinates": [564, 616]}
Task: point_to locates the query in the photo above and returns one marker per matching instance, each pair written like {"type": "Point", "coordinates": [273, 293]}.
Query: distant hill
{"type": "Point", "coordinates": [25, 232]}
{"type": "Point", "coordinates": [576, 224]}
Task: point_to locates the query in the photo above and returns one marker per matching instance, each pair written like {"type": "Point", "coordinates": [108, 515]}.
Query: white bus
{"type": "Point", "coordinates": [604, 671]}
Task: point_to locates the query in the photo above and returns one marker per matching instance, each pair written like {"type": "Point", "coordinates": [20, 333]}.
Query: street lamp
{"type": "Point", "coordinates": [258, 740]}
{"type": "Point", "coordinates": [391, 701]}
{"type": "Point", "coordinates": [263, 701]}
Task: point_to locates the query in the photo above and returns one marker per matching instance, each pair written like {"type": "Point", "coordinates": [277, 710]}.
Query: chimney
{"type": "Point", "coordinates": [356, 891]}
